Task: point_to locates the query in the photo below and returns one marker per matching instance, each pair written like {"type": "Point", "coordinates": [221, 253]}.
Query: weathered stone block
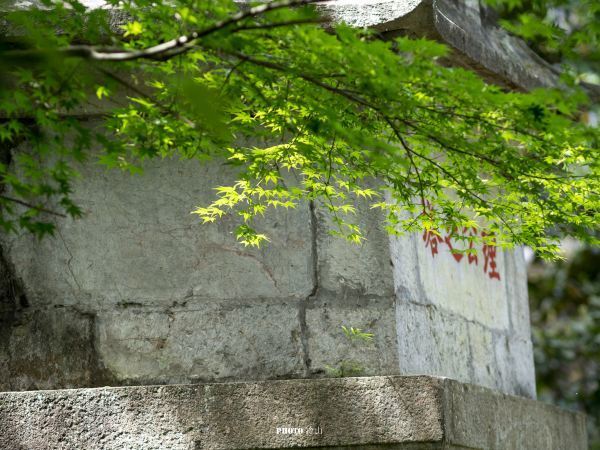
{"type": "Point", "coordinates": [483, 362]}
{"type": "Point", "coordinates": [364, 269]}
{"type": "Point", "coordinates": [330, 349]}
{"type": "Point", "coordinates": [147, 248]}
{"type": "Point", "coordinates": [482, 419]}
{"type": "Point", "coordinates": [431, 342]}
{"type": "Point", "coordinates": [478, 43]}
{"type": "Point", "coordinates": [515, 365]}
{"type": "Point", "coordinates": [48, 348]}
{"type": "Point", "coordinates": [445, 300]}
{"type": "Point", "coordinates": [203, 341]}
{"type": "Point", "coordinates": [516, 286]}
{"type": "Point", "coordinates": [362, 413]}
{"type": "Point", "coordinates": [176, 301]}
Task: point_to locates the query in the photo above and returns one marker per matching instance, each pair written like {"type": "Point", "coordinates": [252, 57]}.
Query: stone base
{"type": "Point", "coordinates": [414, 412]}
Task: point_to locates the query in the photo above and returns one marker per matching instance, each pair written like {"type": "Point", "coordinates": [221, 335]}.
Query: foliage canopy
{"type": "Point", "coordinates": [304, 112]}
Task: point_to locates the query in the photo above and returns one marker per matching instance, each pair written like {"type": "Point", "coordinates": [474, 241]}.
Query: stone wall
{"type": "Point", "coordinates": [138, 292]}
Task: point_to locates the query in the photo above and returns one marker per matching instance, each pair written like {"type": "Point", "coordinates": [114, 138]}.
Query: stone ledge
{"type": "Point", "coordinates": [479, 44]}
{"type": "Point", "coordinates": [411, 412]}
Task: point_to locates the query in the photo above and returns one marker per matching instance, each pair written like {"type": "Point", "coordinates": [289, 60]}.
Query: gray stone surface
{"type": "Point", "coordinates": [330, 350]}
{"type": "Point", "coordinates": [479, 418]}
{"type": "Point", "coordinates": [139, 244]}
{"type": "Point", "coordinates": [213, 340]}
{"type": "Point", "coordinates": [514, 364]}
{"type": "Point", "coordinates": [363, 269]}
{"type": "Point", "coordinates": [43, 349]}
{"type": "Point", "coordinates": [371, 412]}
{"type": "Point", "coordinates": [431, 343]}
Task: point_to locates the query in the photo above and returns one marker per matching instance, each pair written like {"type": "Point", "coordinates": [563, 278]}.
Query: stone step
{"type": "Point", "coordinates": [395, 412]}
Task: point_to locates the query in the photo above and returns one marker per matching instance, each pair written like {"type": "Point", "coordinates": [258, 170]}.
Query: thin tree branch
{"type": "Point", "coordinates": [29, 205]}
{"type": "Point", "coordinates": [175, 46]}
{"type": "Point", "coordinates": [409, 153]}
{"type": "Point", "coordinates": [309, 78]}
{"type": "Point", "coordinates": [230, 73]}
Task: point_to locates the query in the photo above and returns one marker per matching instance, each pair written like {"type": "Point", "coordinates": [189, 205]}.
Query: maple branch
{"type": "Point", "coordinates": [29, 205]}
{"type": "Point", "coordinates": [180, 44]}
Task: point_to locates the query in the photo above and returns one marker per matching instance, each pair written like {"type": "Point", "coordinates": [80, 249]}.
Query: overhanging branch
{"type": "Point", "coordinates": [31, 206]}
{"type": "Point", "coordinates": [182, 43]}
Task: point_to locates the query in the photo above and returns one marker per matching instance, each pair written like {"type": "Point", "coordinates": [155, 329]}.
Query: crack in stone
{"type": "Point", "coordinates": [70, 258]}
{"type": "Point", "coordinates": [313, 293]}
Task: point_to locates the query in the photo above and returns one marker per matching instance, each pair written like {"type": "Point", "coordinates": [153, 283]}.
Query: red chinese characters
{"type": "Point", "coordinates": [489, 258]}
{"type": "Point", "coordinates": [433, 239]}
